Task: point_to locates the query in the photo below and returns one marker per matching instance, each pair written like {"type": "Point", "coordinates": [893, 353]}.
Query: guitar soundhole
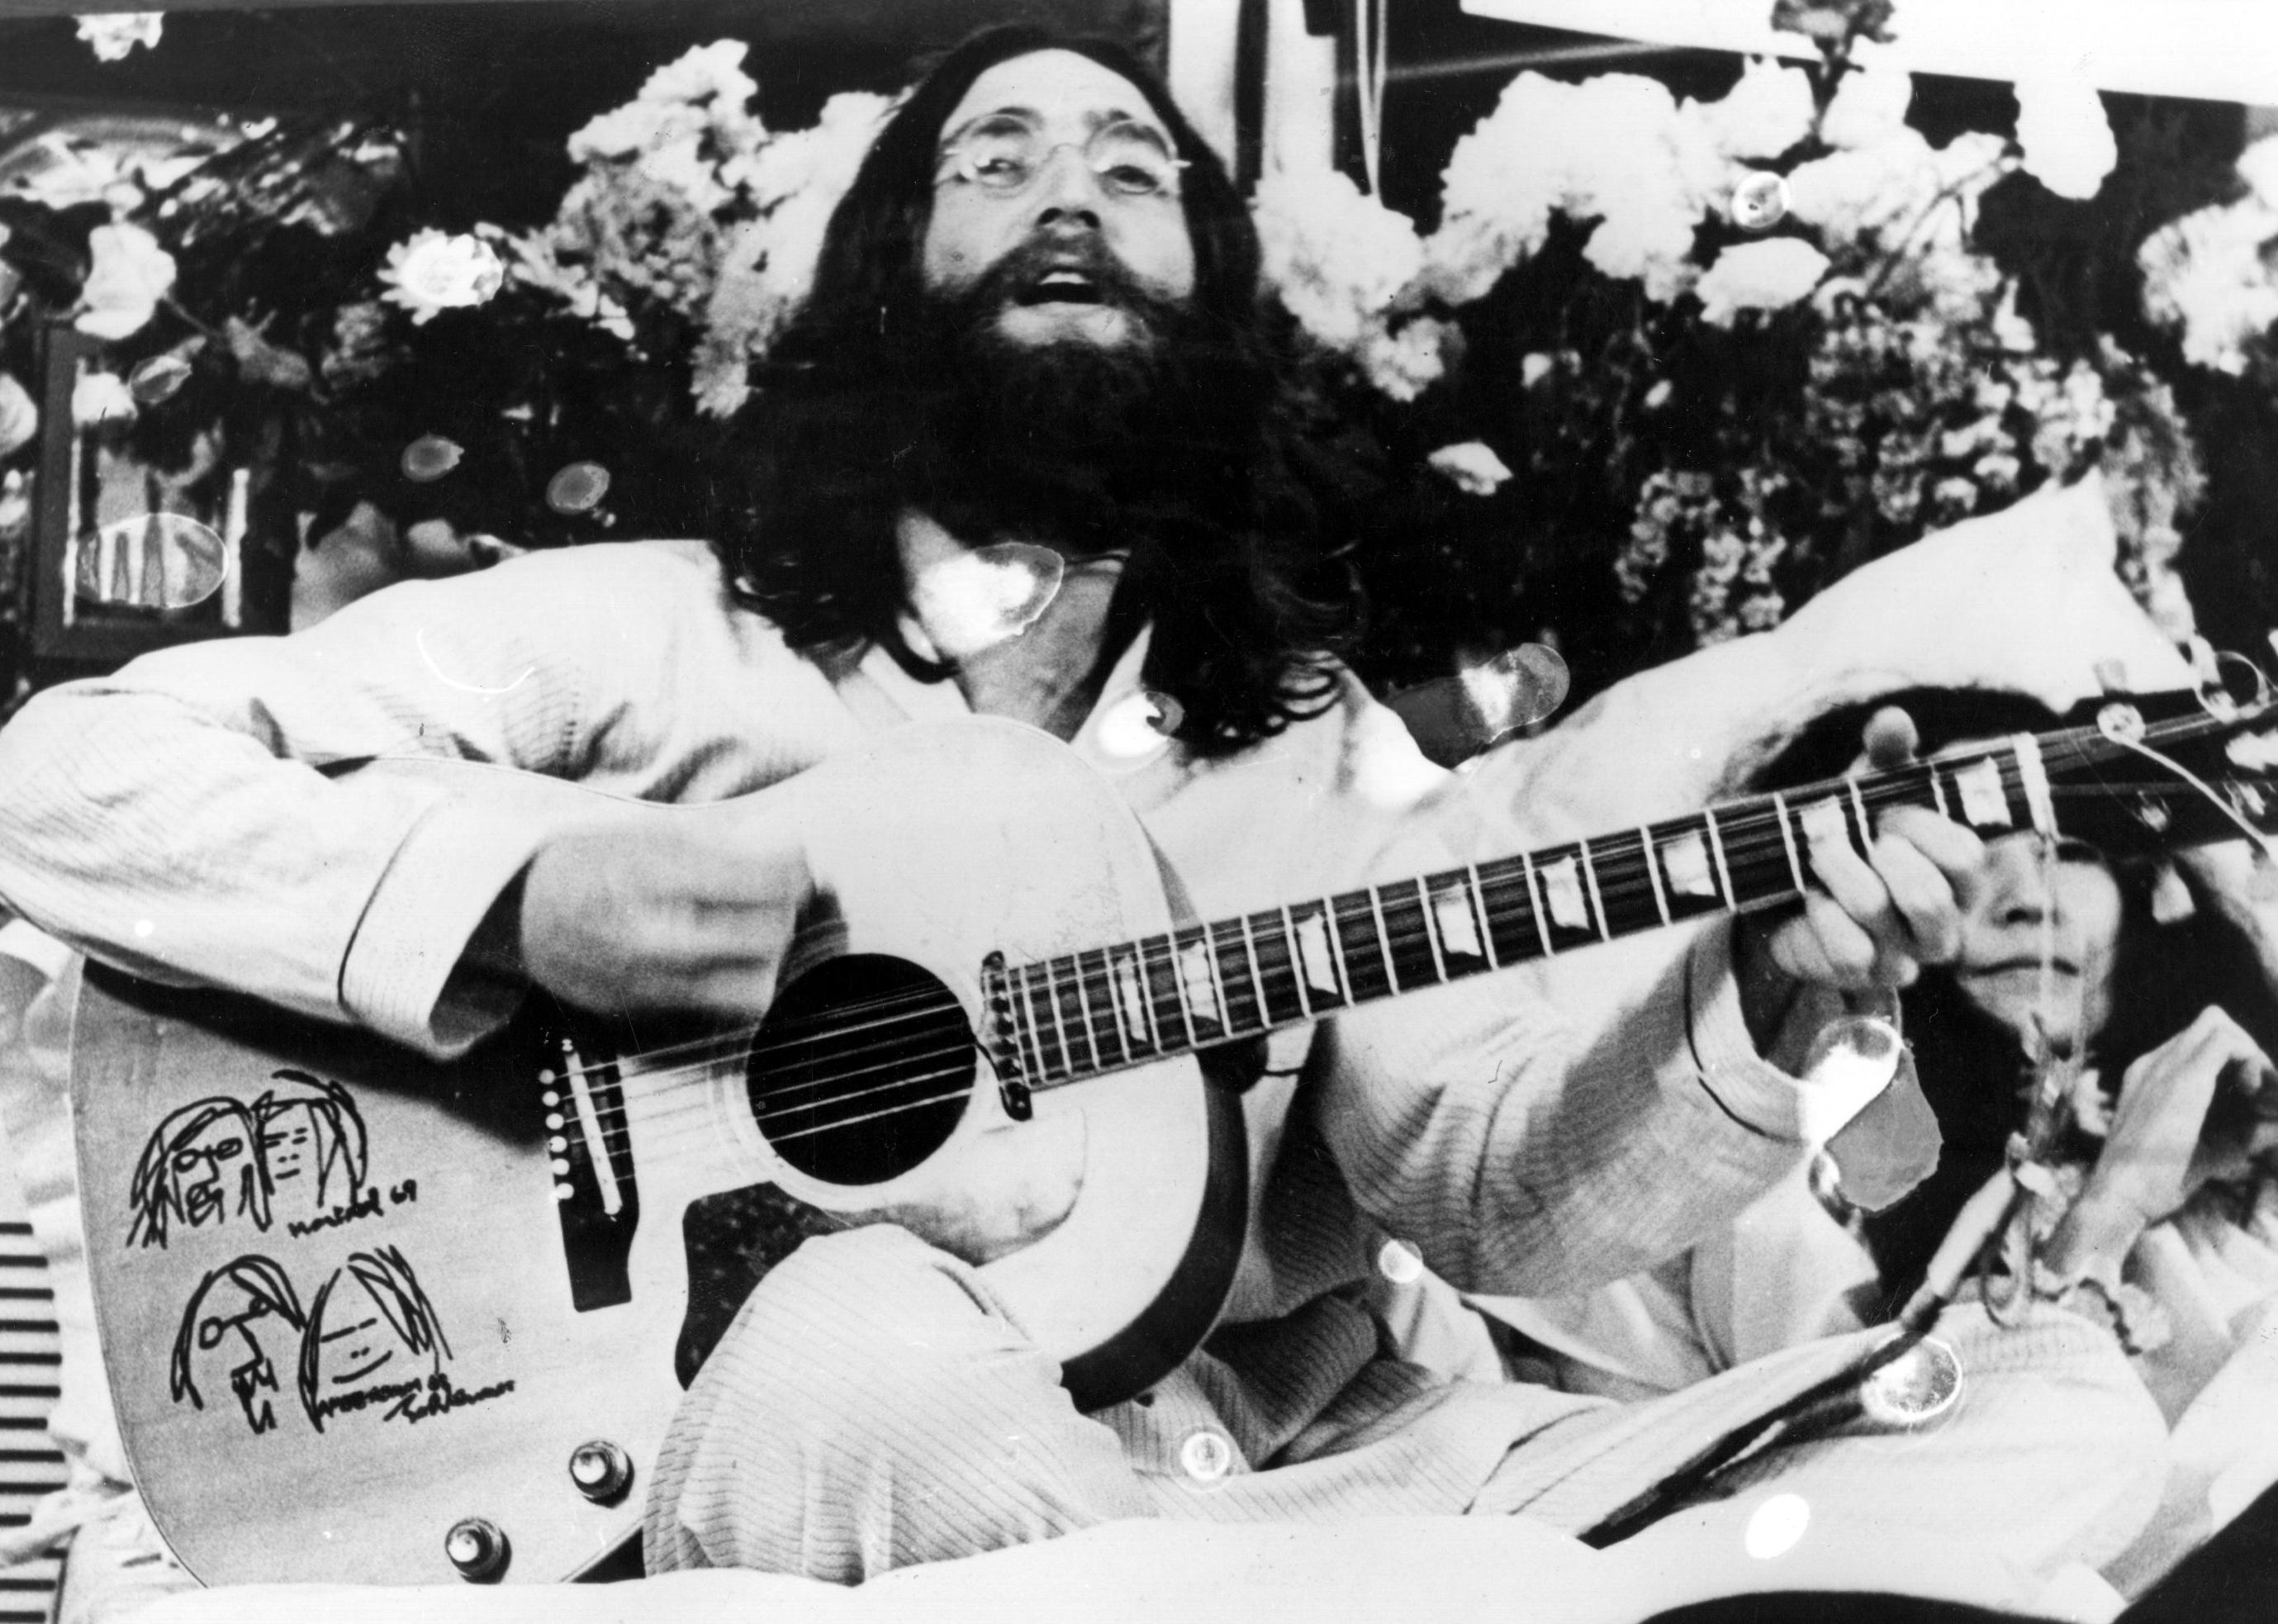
{"type": "Point", "coordinates": [862, 1069]}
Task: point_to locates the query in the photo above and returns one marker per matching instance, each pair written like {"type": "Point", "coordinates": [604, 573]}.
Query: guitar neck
{"type": "Point", "coordinates": [1067, 1019]}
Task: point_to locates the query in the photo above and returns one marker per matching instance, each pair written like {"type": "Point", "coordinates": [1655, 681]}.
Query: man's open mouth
{"type": "Point", "coordinates": [1065, 285]}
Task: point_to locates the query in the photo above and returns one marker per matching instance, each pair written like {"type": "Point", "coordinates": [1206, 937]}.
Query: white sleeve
{"type": "Point", "coordinates": [188, 817]}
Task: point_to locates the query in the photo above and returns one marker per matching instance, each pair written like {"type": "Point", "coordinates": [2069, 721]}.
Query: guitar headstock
{"type": "Point", "coordinates": [2135, 775]}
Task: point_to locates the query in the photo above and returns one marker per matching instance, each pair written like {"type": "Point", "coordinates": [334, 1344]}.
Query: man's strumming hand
{"type": "Point", "coordinates": [682, 908]}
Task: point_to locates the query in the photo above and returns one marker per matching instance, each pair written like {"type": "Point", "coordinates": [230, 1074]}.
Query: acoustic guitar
{"type": "Point", "coordinates": [368, 1317]}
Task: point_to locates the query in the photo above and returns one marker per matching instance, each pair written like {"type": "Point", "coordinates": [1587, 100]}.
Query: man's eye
{"type": "Point", "coordinates": [1132, 179]}
{"type": "Point", "coordinates": [210, 1333]}
{"type": "Point", "coordinates": [1002, 168]}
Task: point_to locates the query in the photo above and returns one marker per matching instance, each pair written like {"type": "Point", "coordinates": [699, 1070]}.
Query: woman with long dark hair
{"type": "Point", "coordinates": [2141, 984]}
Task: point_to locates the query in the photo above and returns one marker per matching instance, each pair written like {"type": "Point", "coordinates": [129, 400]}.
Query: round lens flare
{"type": "Point", "coordinates": [577, 487]}
{"type": "Point", "coordinates": [967, 603]}
{"type": "Point", "coordinates": [1486, 700]}
{"type": "Point", "coordinates": [1137, 727]}
{"type": "Point", "coordinates": [1918, 1386]}
{"type": "Point", "coordinates": [160, 378]}
{"type": "Point", "coordinates": [430, 457]}
{"type": "Point", "coordinates": [153, 561]}
{"type": "Point", "coordinates": [1760, 201]}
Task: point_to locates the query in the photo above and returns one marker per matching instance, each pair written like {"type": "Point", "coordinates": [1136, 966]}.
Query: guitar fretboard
{"type": "Point", "coordinates": [1101, 1010]}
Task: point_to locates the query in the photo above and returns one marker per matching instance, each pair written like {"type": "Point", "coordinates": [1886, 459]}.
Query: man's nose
{"type": "Point", "coordinates": [1067, 190]}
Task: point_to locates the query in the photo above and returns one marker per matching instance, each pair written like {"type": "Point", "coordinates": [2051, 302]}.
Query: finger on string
{"type": "Point", "coordinates": [1957, 851]}
{"type": "Point", "coordinates": [1856, 890]}
{"type": "Point", "coordinates": [1924, 900]}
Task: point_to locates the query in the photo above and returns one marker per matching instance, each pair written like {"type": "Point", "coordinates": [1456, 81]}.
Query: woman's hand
{"type": "Point", "coordinates": [2162, 1146]}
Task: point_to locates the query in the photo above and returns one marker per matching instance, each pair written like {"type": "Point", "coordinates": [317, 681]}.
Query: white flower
{"type": "Point", "coordinates": [71, 173]}
{"type": "Point", "coordinates": [19, 418]}
{"type": "Point", "coordinates": [433, 271]}
{"type": "Point", "coordinates": [767, 266]}
{"type": "Point", "coordinates": [115, 33]}
{"type": "Point", "coordinates": [1898, 181]}
{"type": "Point", "coordinates": [705, 91]}
{"type": "Point", "coordinates": [2067, 141]}
{"type": "Point", "coordinates": [713, 73]}
{"type": "Point", "coordinates": [1336, 257]}
{"type": "Point", "coordinates": [680, 163]}
{"type": "Point", "coordinates": [1871, 101]}
{"type": "Point", "coordinates": [2258, 167]}
{"type": "Point", "coordinates": [2205, 274]}
{"type": "Point", "coordinates": [1769, 275]}
{"type": "Point", "coordinates": [100, 397]}
{"type": "Point", "coordinates": [1405, 364]}
{"type": "Point", "coordinates": [130, 274]}
{"type": "Point", "coordinates": [1618, 149]}
{"type": "Point", "coordinates": [1471, 467]}
{"type": "Point", "coordinates": [1762, 116]}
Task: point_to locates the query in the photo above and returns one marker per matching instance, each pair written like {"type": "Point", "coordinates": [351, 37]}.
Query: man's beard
{"type": "Point", "coordinates": [1071, 442]}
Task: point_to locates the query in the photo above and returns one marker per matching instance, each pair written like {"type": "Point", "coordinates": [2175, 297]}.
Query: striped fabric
{"type": "Point", "coordinates": [31, 1358]}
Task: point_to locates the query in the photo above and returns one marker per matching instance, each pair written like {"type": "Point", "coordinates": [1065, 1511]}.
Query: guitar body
{"type": "Point", "coordinates": [349, 1298]}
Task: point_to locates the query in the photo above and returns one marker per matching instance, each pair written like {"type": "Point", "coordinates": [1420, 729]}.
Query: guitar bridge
{"type": "Point", "coordinates": [590, 1153]}
{"type": "Point", "coordinates": [1004, 1041]}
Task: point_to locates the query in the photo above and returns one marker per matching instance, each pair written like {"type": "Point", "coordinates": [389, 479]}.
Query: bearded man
{"type": "Point", "coordinates": [1036, 321]}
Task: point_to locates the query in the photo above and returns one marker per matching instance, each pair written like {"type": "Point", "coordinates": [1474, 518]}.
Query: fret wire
{"type": "Point", "coordinates": [1024, 1018]}
{"type": "Point", "coordinates": [1083, 1003]}
{"type": "Point", "coordinates": [1029, 982]}
{"type": "Point", "coordinates": [1218, 981]}
{"type": "Point", "coordinates": [1717, 850]}
{"type": "Point", "coordinates": [1865, 824]}
{"type": "Point", "coordinates": [1476, 896]}
{"type": "Point", "coordinates": [1297, 972]}
{"type": "Point", "coordinates": [1257, 981]}
{"type": "Point", "coordinates": [1178, 987]}
{"type": "Point", "coordinates": [1534, 896]}
{"type": "Point", "coordinates": [1333, 928]}
{"type": "Point", "coordinates": [1060, 1029]}
{"type": "Point", "coordinates": [1431, 927]}
{"type": "Point", "coordinates": [1090, 1039]}
{"type": "Point", "coordinates": [1653, 871]}
{"type": "Point", "coordinates": [1597, 902]}
{"type": "Point", "coordinates": [1383, 940]}
{"type": "Point", "coordinates": [1146, 998]}
{"type": "Point", "coordinates": [1787, 836]}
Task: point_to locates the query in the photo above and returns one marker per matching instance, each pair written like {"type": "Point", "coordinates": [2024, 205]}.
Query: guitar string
{"type": "Point", "coordinates": [1897, 789]}
{"type": "Point", "coordinates": [1404, 939]}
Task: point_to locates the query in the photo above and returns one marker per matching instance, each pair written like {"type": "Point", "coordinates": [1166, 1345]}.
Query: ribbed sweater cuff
{"type": "Point", "coordinates": [1752, 1091]}
{"type": "Point", "coordinates": [397, 975]}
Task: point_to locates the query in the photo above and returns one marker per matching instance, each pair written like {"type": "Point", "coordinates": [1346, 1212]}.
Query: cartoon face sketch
{"type": "Point", "coordinates": [370, 1326]}
{"type": "Point", "coordinates": [201, 1167]}
{"type": "Point", "coordinates": [299, 1147]}
{"type": "Point", "coordinates": [311, 1145]}
{"type": "Point", "coordinates": [241, 1318]}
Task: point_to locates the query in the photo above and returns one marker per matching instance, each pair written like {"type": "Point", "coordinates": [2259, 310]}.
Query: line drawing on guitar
{"type": "Point", "coordinates": [222, 1156]}
{"type": "Point", "coordinates": [369, 1339]}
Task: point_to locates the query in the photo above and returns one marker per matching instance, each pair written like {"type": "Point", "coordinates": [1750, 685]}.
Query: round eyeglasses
{"type": "Point", "coordinates": [1004, 153]}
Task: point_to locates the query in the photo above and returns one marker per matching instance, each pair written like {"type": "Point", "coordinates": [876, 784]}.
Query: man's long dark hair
{"type": "Point", "coordinates": [846, 430]}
